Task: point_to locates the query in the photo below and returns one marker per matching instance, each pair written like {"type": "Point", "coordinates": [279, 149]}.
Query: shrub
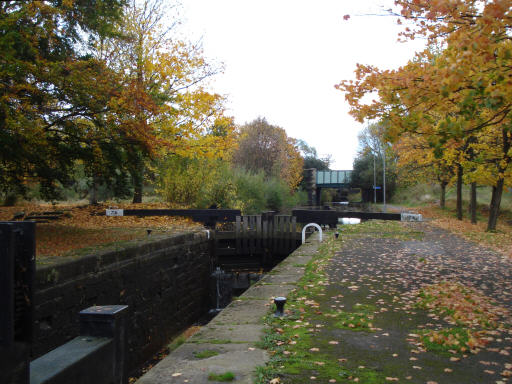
{"type": "Point", "coordinates": [214, 183]}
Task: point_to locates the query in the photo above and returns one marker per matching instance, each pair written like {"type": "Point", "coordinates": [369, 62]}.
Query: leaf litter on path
{"type": "Point", "coordinates": [469, 287]}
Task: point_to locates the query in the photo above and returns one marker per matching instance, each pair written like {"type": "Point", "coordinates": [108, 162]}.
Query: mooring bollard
{"type": "Point", "coordinates": [108, 321]}
{"type": "Point", "coordinates": [280, 302]}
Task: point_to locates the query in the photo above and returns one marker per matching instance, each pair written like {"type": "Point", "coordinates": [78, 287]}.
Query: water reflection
{"type": "Point", "coordinates": [347, 220]}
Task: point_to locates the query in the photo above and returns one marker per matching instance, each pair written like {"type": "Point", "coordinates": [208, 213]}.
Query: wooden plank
{"type": "Point", "coordinates": [225, 235]}
{"type": "Point", "coordinates": [275, 234]}
{"type": "Point", "coordinates": [250, 237]}
{"type": "Point", "coordinates": [279, 233]}
{"type": "Point", "coordinates": [245, 235]}
{"type": "Point", "coordinates": [224, 215]}
{"type": "Point", "coordinates": [293, 235]}
{"type": "Point", "coordinates": [290, 234]}
{"type": "Point", "coordinates": [226, 252]}
{"type": "Point", "coordinates": [282, 239]}
{"type": "Point", "coordinates": [264, 238]}
{"type": "Point", "coordinates": [258, 235]}
{"type": "Point", "coordinates": [238, 234]}
{"type": "Point", "coordinates": [253, 235]}
{"type": "Point", "coordinates": [286, 234]}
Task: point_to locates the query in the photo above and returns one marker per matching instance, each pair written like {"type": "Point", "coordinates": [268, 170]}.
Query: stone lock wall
{"type": "Point", "coordinates": [163, 281]}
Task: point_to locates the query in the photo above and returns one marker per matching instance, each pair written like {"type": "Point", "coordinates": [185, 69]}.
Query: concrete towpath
{"type": "Point", "coordinates": [397, 302]}
{"type": "Point", "coordinates": [229, 343]}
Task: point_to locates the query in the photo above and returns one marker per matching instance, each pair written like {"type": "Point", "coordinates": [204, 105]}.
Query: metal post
{"type": "Point", "coordinates": [280, 302]}
{"type": "Point", "coordinates": [384, 178]}
{"type": "Point", "coordinates": [374, 182]}
{"type": "Point", "coordinates": [108, 321]}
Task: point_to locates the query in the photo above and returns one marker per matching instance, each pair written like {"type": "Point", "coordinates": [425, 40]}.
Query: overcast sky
{"type": "Point", "coordinates": [282, 59]}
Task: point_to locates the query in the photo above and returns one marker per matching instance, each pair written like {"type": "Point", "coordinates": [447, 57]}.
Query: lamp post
{"type": "Point", "coordinates": [384, 178]}
{"type": "Point", "coordinates": [374, 182]}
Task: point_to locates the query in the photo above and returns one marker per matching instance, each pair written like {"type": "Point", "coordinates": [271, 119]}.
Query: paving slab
{"type": "Point", "coordinates": [281, 279]}
{"type": "Point", "coordinates": [242, 312]}
{"type": "Point", "coordinates": [269, 291]}
{"type": "Point", "coordinates": [296, 260]}
{"type": "Point", "coordinates": [183, 367]}
{"type": "Point", "coordinates": [234, 333]}
{"type": "Point", "coordinates": [287, 270]}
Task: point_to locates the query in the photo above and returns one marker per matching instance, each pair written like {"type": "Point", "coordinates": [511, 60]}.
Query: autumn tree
{"type": "Point", "coordinates": [416, 162]}
{"type": "Point", "coordinates": [475, 80]}
{"type": "Point", "coordinates": [164, 105]}
{"type": "Point", "coordinates": [265, 147]}
{"type": "Point", "coordinates": [50, 83]}
{"type": "Point", "coordinates": [453, 97]}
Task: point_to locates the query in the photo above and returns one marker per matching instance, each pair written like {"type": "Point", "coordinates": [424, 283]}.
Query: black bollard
{"type": "Point", "coordinates": [280, 302]}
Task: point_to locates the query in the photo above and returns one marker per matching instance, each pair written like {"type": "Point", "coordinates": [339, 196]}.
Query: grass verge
{"type": "Point", "coordinates": [298, 355]}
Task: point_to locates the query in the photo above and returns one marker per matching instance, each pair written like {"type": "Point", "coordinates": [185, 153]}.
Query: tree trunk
{"type": "Point", "coordinates": [473, 202]}
{"type": "Point", "coordinates": [138, 178]}
{"type": "Point", "coordinates": [494, 207]}
{"type": "Point", "coordinates": [93, 195]}
{"type": "Point", "coordinates": [497, 190]}
{"type": "Point", "coordinates": [138, 175]}
{"type": "Point", "coordinates": [459, 192]}
{"type": "Point", "coordinates": [442, 202]}
{"type": "Point", "coordinates": [137, 194]}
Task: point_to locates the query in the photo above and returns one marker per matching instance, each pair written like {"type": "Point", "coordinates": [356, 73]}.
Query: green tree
{"type": "Point", "coordinates": [369, 163]}
{"type": "Point", "coordinates": [49, 82]}
{"type": "Point", "coordinates": [311, 159]}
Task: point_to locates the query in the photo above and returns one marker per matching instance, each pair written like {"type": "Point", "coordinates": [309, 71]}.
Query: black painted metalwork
{"type": "Point", "coordinates": [330, 217]}
{"type": "Point", "coordinates": [97, 356]}
{"type": "Point", "coordinates": [206, 216]}
{"type": "Point", "coordinates": [280, 302]}
{"type": "Point", "coordinates": [108, 321]}
{"type": "Point", "coordinates": [17, 268]}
